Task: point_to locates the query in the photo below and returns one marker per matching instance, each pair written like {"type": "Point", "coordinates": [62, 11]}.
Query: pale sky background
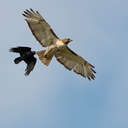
{"type": "Point", "coordinates": [52, 97]}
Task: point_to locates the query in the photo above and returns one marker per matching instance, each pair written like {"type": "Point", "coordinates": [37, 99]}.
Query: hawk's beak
{"type": "Point", "coordinates": [71, 40]}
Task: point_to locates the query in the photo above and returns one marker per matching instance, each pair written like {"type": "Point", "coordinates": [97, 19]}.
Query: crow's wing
{"type": "Point", "coordinates": [30, 66]}
{"type": "Point", "coordinates": [20, 50]}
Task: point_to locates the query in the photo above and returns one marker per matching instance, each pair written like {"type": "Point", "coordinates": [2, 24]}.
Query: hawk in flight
{"type": "Point", "coordinates": [57, 47]}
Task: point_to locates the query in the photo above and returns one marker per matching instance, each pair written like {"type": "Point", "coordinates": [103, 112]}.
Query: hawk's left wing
{"type": "Point", "coordinates": [73, 61]}
{"type": "Point", "coordinates": [40, 28]}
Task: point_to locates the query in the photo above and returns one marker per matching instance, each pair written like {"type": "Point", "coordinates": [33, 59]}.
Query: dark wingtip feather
{"type": "Point", "coordinates": [92, 66]}
{"type": "Point", "coordinates": [93, 70]}
{"type": "Point", "coordinates": [28, 11]}
{"type": "Point", "coordinates": [37, 12]}
{"type": "Point", "coordinates": [32, 10]}
{"type": "Point", "coordinates": [24, 15]}
{"type": "Point", "coordinates": [88, 78]}
{"type": "Point", "coordinates": [93, 76]}
{"type": "Point", "coordinates": [25, 12]}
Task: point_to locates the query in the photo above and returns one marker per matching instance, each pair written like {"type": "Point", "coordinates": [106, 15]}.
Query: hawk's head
{"type": "Point", "coordinates": [67, 40]}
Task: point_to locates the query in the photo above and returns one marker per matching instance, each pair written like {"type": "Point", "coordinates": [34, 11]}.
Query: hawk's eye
{"type": "Point", "coordinates": [69, 40]}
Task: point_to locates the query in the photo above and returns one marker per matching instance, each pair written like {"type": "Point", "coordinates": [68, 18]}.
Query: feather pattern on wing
{"type": "Point", "coordinates": [40, 28]}
{"type": "Point", "coordinates": [74, 62]}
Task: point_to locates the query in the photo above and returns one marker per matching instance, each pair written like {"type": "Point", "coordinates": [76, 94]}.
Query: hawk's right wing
{"type": "Point", "coordinates": [74, 62]}
{"type": "Point", "coordinates": [40, 28]}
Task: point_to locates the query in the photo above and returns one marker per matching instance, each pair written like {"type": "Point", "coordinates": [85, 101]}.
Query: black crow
{"type": "Point", "coordinates": [27, 56]}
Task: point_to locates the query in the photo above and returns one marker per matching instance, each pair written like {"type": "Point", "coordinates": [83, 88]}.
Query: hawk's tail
{"type": "Point", "coordinates": [45, 60]}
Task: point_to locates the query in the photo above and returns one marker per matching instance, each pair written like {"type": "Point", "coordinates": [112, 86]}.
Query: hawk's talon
{"type": "Point", "coordinates": [45, 56]}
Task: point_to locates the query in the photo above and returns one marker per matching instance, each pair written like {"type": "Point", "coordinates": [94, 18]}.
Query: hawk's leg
{"type": "Point", "coordinates": [50, 51]}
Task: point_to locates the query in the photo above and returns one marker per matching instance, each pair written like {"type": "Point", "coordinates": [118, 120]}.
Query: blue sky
{"type": "Point", "coordinates": [52, 97]}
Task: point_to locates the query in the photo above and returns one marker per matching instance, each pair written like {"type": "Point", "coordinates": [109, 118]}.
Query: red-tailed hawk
{"type": "Point", "coordinates": [56, 47]}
